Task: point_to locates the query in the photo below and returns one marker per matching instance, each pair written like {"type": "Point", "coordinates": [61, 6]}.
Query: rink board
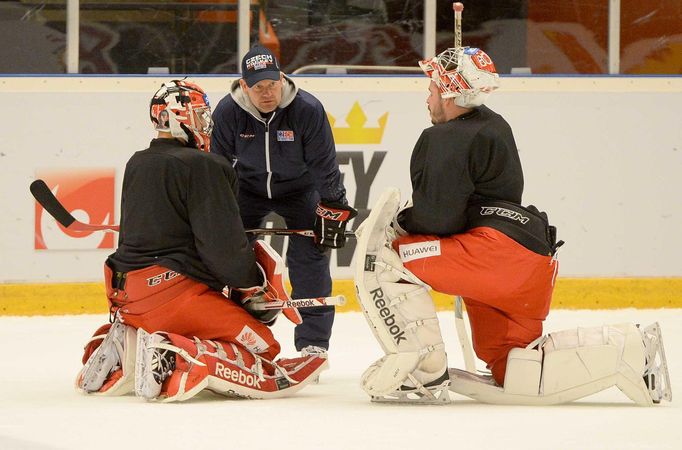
{"type": "Point", "coordinates": [600, 154]}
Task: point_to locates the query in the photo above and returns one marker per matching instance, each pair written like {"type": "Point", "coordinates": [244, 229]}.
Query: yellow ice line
{"type": "Point", "coordinates": [570, 293]}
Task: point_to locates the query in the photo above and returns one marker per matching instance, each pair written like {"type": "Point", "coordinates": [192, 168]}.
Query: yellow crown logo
{"type": "Point", "coordinates": [356, 133]}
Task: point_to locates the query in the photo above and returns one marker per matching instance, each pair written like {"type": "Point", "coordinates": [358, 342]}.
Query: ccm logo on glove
{"type": "Point", "coordinates": [330, 224]}
{"type": "Point", "coordinates": [332, 214]}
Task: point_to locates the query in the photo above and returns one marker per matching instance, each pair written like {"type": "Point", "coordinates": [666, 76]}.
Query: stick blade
{"type": "Point", "coordinates": [43, 195]}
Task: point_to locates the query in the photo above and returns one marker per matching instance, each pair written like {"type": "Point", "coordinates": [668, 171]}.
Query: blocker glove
{"type": "Point", "coordinates": [330, 224]}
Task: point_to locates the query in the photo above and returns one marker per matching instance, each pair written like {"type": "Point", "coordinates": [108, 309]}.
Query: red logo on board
{"type": "Point", "coordinates": [89, 196]}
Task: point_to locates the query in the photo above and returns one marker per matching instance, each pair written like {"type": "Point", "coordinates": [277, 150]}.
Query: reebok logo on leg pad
{"type": "Point", "coordinates": [237, 376]}
{"type": "Point", "coordinates": [387, 316]}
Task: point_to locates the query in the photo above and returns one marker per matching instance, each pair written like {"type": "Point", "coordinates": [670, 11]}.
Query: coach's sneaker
{"type": "Point", "coordinates": [109, 368]}
{"type": "Point", "coordinates": [656, 376]}
{"type": "Point", "coordinates": [316, 351]}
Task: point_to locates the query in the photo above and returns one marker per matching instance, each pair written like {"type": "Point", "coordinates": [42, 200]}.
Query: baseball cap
{"type": "Point", "coordinates": [259, 64]}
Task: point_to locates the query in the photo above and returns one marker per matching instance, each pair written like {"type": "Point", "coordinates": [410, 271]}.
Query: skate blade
{"type": "Point", "coordinates": [438, 395]}
{"type": "Point", "coordinates": [658, 380]}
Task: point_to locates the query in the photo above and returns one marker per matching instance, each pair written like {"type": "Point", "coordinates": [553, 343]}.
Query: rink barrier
{"type": "Point", "coordinates": [569, 293]}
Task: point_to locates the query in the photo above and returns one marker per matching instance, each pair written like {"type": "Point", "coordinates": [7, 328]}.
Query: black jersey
{"type": "Point", "coordinates": [467, 160]}
{"type": "Point", "coordinates": [174, 199]}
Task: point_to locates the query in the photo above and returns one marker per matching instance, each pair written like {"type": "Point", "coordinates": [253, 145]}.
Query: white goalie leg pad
{"type": "Point", "coordinates": [572, 364]}
{"type": "Point", "coordinates": [599, 357]}
{"type": "Point", "coordinates": [405, 323]}
{"type": "Point", "coordinates": [110, 369]}
{"type": "Point", "coordinates": [398, 308]}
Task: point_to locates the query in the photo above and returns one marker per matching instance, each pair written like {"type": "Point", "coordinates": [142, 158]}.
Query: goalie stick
{"type": "Point", "coordinates": [458, 7]}
{"type": "Point", "coordinates": [47, 200]}
{"type": "Point", "coordinates": [462, 335]}
{"type": "Point", "coordinates": [298, 303]}
{"type": "Point", "coordinates": [44, 196]}
{"type": "Point", "coordinates": [287, 231]}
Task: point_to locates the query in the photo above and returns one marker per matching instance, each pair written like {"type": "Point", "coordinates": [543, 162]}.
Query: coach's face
{"type": "Point", "coordinates": [435, 104]}
{"type": "Point", "coordinates": [265, 95]}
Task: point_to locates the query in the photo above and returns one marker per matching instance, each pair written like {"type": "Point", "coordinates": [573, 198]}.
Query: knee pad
{"type": "Point", "coordinates": [397, 307]}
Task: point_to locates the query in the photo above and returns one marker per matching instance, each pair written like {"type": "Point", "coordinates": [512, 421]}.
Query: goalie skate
{"type": "Point", "coordinates": [109, 369]}
{"type": "Point", "coordinates": [656, 375]}
{"type": "Point", "coordinates": [156, 362]}
{"type": "Point", "coordinates": [433, 393]}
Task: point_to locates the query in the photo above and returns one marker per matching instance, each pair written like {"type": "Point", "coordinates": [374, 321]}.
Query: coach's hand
{"type": "Point", "coordinates": [330, 224]}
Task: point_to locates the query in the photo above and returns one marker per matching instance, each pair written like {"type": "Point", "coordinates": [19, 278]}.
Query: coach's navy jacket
{"type": "Point", "coordinates": [291, 151]}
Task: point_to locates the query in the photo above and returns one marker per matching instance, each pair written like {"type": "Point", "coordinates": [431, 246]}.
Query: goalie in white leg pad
{"type": "Point", "coordinates": [401, 314]}
{"type": "Point", "coordinates": [572, 364]}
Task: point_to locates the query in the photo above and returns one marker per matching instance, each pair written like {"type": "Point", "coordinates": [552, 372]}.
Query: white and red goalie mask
{"type": "Point", "coordinates": [466, 74]}
{"type": "Point", "coordinates": [181, 108]}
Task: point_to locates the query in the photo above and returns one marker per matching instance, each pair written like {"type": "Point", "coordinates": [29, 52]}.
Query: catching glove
{"type": "Point", "coordinates": [271, 266]}
{"type": "Point", "coordinates": [250, 297]}
{"type": "Point", "coordinates": [399, 230]}
{"type": "Point", "coordinates": [330, 224]}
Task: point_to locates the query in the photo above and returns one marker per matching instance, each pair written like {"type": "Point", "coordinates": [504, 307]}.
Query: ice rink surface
{"type": "Point", "coordinates": [39, 408]}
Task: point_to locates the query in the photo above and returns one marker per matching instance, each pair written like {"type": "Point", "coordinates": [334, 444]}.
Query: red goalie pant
{"type": "Point", "coordinates": [506, 288]}
{"type": "Point", "coordinates": [159, 299]}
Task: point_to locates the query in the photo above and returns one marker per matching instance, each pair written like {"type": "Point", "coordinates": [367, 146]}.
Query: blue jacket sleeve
{"type": "Point", "coordinates": [319, 152]}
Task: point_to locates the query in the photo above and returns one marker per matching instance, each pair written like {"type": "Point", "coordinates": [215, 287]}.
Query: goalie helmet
{"type": "Point", "coordinates": [466, 74]}
{"type": "Point", "coordinates": [181, 108]}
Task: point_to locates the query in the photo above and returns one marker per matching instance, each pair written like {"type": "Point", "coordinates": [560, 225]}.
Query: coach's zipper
{"type": "Point", "coordinates": [267, 156]}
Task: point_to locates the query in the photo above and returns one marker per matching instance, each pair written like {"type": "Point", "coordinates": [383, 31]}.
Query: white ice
{"type": "Point", "coordinates": [40, 410]}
